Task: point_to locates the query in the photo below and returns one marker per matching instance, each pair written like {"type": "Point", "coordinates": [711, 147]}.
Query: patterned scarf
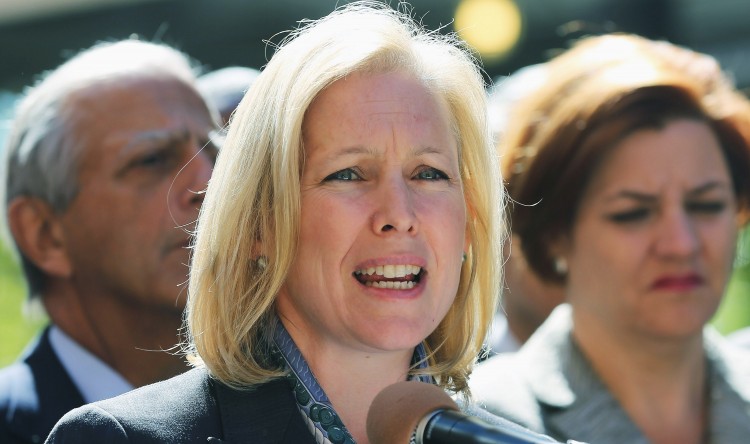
{"type": "Point", "coordinates": [312, 401]}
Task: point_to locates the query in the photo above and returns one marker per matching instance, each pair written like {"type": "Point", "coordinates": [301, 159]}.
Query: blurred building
{"type": "Point", "coordinates": [38, 34]}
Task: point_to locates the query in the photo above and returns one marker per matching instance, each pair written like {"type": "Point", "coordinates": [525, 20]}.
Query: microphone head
{"type": "Point", "coordinates": [396, 411]}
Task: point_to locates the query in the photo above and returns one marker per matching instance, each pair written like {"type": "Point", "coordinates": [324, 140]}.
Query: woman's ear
{"type": "Point", "coordinates": [37, 231]}
{"type": "Point", "coordinates": [257, 249]}
{"type": "Point", "coordinates": [467, 243]}
{"type": "Point", "coordinates": [559, 247]}
{"type": "Point", "coordinates": [560, 250]}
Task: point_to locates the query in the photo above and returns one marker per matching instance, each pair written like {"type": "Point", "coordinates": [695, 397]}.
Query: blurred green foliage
{"type": "Point", "coordinates": [734, 312]}
{"type": "Point", "coordinates": [17, 324]}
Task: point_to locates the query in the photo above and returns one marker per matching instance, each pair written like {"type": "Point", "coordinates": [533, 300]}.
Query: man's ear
{"type": "Point", "coordinates": [38, 233]}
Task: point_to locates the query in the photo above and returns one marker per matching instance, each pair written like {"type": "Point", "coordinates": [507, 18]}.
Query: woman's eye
{"type": "Point", "coordinates": [712, 207]}
{"type": "Point", "coordinates": [431, 174]}
{"type": "Point", "coordinates": [624, 217]}
{"type": "Point", "coordinates": [345, 174]}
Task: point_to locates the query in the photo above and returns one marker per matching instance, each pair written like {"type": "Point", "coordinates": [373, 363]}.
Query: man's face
{"type": "Point", "coordinates": [141, 168]}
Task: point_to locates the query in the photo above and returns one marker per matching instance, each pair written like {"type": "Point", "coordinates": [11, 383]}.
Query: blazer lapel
{"type": "Point", "coordinates": [574, 401]}
{"type": "Point", "coordinates": [265, 414]}
{"type": "Point", "coordinates": [730, 389]}
{"type": "Point", "coordinates": [42, 392]}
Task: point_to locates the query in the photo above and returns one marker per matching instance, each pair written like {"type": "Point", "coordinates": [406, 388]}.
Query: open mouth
{"type": "Point", "coordinates": [397, 277]}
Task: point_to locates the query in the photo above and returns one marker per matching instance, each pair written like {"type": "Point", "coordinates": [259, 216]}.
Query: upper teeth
{"type": "Point", "coordinates": [392, 271]}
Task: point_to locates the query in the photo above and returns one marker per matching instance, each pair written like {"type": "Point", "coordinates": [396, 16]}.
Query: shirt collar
{"type": "Point", "coordinates": [314, 405]}
{"type": "Point", "coordinates": [94, 379]}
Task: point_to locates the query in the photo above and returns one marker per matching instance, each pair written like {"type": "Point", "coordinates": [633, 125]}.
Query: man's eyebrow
{"type": "Point", "coordinates": [156, 137]}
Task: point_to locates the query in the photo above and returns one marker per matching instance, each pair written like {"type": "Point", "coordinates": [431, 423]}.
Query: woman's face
{"type": "Point", "coordinates": [654, 239]}
{"type": "Point", "coordinates": [383, 222]}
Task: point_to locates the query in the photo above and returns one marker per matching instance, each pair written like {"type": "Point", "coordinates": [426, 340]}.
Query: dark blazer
{"type": "Point", "coordinates": [189, 408]}
{"type": "Point", "coordinates": [34, 394]}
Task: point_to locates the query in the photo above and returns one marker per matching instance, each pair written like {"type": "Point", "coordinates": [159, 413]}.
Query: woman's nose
{"type": "Point", "coordinates": [677, 235]}
{"type": "Point", "coordinates": [395, 212]}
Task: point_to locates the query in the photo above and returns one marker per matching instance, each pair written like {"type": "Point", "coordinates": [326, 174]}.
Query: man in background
{"type": "Point", "coordinates": [105, 164]}
{"type": "Point", "coordinates": [225, 87]}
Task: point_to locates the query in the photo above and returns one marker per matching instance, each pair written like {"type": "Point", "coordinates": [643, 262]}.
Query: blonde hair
{"type": "Point", "coordinates": [254, 194]}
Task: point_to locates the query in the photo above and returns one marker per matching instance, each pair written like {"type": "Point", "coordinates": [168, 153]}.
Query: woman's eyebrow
{"type": "Point", "coordinates": [644, 197]}
{"type": "Point", "coordinates": [632, 195]}
{"type": "Point", "coordinates": [709, 186]}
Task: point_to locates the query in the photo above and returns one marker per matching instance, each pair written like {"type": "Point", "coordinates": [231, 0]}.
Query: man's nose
{"type": "Point", "coordinates": [197, 173]}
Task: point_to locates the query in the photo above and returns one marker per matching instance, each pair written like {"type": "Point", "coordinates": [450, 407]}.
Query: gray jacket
{"type": "Point", "coordinates": [549, 386]}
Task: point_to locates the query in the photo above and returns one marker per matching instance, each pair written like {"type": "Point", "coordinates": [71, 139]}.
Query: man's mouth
{"type": "Point", "coordinates": [397, 277]}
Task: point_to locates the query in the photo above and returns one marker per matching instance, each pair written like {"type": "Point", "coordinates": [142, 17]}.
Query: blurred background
{"type": "Point", "coordinates": [37, 35]}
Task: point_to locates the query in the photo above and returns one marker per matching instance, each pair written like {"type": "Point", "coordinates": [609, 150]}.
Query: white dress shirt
{"type": "Point", "coordinates": [94, 379]}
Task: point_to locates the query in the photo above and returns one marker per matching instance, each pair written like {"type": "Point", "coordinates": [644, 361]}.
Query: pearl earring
{"type": "Point", "coordinates": [561, 266]}
{"type": "Point", "coordinates": [261, 263]}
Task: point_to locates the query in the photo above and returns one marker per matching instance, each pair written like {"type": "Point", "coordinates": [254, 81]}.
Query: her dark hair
{"type": "Point", "coordinates": [561, 133]}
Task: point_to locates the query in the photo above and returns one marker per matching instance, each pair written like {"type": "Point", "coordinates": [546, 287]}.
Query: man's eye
{"type": "Point", "coordinates": [345, 174]}
{"type": "Point", "coordinates": [431, 174]}
{"type": "Point", "coordinates": [624, 217]}
{"type": "Point", "coordinates": [152, 160]}
{"type": "Point", "coordinates": [211, 150]}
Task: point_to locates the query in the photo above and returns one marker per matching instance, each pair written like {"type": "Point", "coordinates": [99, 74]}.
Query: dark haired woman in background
{"type": "Point", "coordinates": [630, 173]}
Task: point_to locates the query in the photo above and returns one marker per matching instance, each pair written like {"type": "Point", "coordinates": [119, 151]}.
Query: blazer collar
{"type": "Point", "coordinates": [556, 360]}
{"type": "Point", "coordinates": [579, 404]}
{"type": "Point", "coordinates": [730, 389]}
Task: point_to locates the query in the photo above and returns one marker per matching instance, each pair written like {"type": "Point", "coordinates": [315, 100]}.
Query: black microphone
{"type": "Point", "coordinates": [407, 407]}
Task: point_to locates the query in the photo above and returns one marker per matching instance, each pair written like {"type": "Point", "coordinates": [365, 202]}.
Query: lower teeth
{"type": "Point", "coordinates": [396, 285]}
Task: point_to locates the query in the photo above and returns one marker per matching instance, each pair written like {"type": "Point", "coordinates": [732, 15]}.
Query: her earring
{"type": "Point", "coordinates": [463, 258]}
{"type": "Point", "coordinates": [561, 266]}
{"type": "Point", "coordinates": [261, 263]}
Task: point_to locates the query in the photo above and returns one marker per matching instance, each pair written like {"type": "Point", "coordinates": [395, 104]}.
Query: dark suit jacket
{"type": "Point", "coordinates": [189, 408]}
{"type": "Point", "coordinates": [34, 394]}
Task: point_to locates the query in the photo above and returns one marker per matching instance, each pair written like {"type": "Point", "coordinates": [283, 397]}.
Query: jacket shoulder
{"type": "Point", "coordinates": [17, 393]}
{"type": "Point", "coordinates": [179, 410]}
{"type": "Point", "coordinates": [15, 379]}
{"type": "Point", "coordinates": [34, 393]}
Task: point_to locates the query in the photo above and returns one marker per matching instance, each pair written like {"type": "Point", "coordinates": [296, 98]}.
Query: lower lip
{"type": "Point", "coordinates": [677, 285]}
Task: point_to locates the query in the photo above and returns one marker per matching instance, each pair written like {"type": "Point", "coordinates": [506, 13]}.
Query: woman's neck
{"type": "Point", "coordinates": [350, 377]}
{"type": "Point", "coordinates": [351, 380]}
{"type": "Point", "coordinates": [661, 385]}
